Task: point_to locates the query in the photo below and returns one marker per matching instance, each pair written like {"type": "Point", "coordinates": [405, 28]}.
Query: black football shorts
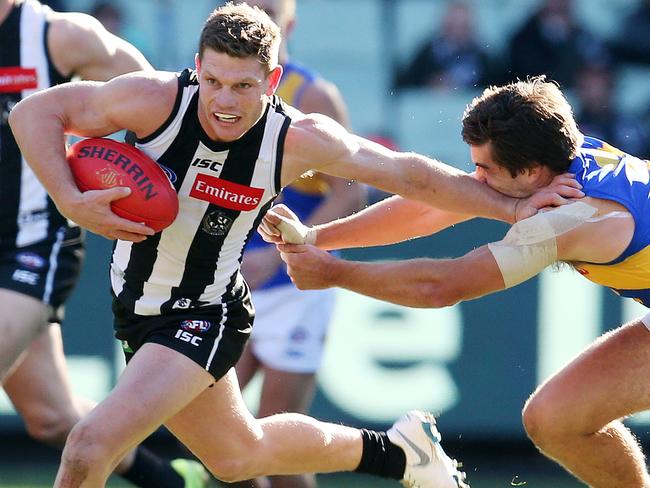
{"type": "Point", "coordinates": [47, 270]}
{"type": "Point", "coordinates": [212, 336]}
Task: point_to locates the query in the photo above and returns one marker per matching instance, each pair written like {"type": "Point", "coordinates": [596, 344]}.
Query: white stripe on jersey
{"type": "Point", "coordinates": [160, 144]}
{"type": "Point", "coordinates": [33, 197]}
{"type": "Point", "coordinates": [118, 263]}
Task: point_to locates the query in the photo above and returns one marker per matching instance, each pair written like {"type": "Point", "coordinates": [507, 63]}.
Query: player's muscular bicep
{"type": "Point", "coordinates": [315, 142]}
{"type": "Point", "coordinates": [133, 102]}
{"type": "Point", "coordinates": [600, 240]}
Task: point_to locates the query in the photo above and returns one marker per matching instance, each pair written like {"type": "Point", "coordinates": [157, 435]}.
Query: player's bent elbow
{"type": "Point", "coordinates": [15, 115]}
{"type": "Point", "coordinates": [437, 295]}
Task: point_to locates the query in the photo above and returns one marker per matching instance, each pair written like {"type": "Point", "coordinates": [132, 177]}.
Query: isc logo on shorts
{"type": "Point", "coordinates": [185, 336]}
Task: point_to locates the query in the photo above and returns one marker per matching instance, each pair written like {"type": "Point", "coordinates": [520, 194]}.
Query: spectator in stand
{"type": "Point", "coordinates": [633, 42]}
{"type": "Point", "coordinates": [553, 42]}
{"type": "Point", "coordinates": [449, 59]}
{"type": "Point", "coordinates": [598, 114]}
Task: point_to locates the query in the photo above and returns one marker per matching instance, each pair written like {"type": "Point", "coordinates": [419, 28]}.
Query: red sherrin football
{"type": "Point", "coordinates": [98, 164]}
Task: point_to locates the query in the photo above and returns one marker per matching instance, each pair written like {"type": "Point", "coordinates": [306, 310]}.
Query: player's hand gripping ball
{"type": "Point", "coordinates": [98, 164]}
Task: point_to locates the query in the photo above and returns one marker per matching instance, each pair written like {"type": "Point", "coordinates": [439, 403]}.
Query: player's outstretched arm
{"type": "Point", "coordinates": [422, 283]}
{"type": "Point", "coordinates": [317, 142]}
{"type": "Point", "coordinates": [103, 56]}
{"type": "Point", "coordinates": [392, 220]}
{"type": "Point", "coordinates": [574, 232]}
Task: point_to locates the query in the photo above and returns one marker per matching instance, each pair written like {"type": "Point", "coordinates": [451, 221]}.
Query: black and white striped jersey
{"type": "Point", "coordinates": [27, 215]}
{"type": "Point", "coordinates": [224, 189]}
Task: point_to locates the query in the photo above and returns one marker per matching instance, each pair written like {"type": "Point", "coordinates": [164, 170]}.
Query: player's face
{"type": "Point", "coordinates": [233, 93]}
{"type": "Point", "coordinates": [499, 178]}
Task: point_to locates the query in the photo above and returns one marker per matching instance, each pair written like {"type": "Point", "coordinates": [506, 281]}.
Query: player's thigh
{"type": "Point", "coordinates": [35, 281]}
{"type": "Point", "coordinates": [609, 380]}
{"type": "Point", "coordinates": [22, 319]}
{"type": "Point", "coordinates": [284, 391]}
{"type": "Point", "coordinates": [39, 385]}
{"type": "Point", "coordinates": [216, 425]}
{"type": "Point", "coordinates": [156, 384]}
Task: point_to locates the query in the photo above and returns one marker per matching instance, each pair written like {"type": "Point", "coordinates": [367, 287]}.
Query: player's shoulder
{"type": "Point", "coordinates": [308, 126]}
{"type": "Point", "coordinates": [156, 88]}
{"type": "Point", "coordinates": [314, 139]}
{"type": "Point", "coordinates": [75, 39]}
{"type": "Point", "coordinates": [72, 27]}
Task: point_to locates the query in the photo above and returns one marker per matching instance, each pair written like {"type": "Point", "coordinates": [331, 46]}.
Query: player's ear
{"type": "Point", "coordinates": [197, 62]}
{"type": "Point", "coordinates": [274, 80]}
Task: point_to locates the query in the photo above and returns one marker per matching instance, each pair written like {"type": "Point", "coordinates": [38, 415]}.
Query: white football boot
{"type": "Point", "coordinates": [427, 465]}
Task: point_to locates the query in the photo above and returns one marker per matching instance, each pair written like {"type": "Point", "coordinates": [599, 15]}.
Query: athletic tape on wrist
{"type": "Point", "coordinates": [296, 233]}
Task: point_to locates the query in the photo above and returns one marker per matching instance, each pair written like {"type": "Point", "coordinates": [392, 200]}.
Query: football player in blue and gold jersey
{"type": "Point", "coordinates": [523, 137]}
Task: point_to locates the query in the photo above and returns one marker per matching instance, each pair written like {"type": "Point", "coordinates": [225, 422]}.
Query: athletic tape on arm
{"type": "Point", "coordinates": [294, 232]}
{"type": "Point", "coordinates": [530, 245]}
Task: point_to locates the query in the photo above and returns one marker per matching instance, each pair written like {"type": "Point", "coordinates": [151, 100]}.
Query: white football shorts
{"type": "Point", "coordinates": [290, 327]}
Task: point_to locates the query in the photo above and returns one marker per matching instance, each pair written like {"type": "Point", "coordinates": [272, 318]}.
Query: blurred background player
{"type": "Point", "coordinates": [288, 338]}
{"type": "Point", "coordinates": [40, 251]}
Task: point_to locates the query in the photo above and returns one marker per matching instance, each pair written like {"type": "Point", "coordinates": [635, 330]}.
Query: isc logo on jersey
{"type": "Point", "coordinates": [226, 194]}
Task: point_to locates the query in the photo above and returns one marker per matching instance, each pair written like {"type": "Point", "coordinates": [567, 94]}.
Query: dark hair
{"type": "Point", "coordinates": [526, 123]}
{"type": "Point", "coordinates": [242, 31]}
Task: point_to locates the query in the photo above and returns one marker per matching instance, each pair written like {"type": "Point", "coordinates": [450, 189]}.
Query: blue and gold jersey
{"type": "Point", "coordinates": [610, 174]}
{"type": "Point", "coordinates": [310, 188]}
{"type": "Point", "coordinates": [305, 194]}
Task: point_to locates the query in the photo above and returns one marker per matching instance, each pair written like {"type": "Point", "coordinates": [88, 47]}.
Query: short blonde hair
{"type": "Point", "coordinates": [242, 31]}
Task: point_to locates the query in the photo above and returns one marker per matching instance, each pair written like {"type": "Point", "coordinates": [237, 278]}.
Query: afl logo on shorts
{"type": "Point", "coordinates": [30, 260]}
{"type": "Point", "coordinates": [196, 326]}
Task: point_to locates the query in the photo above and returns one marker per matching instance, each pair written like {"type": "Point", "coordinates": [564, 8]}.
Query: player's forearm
{"type": "Point", "coordinates": [389, 221]}
{"type": "Point", "coordinates": [412, 283]}
{"type": "Point", "coordinates": [450, 189]}
{"type": "Point", "coordinates": [39, 133]}
{"type": "Point", "coordinates": [422, 283]}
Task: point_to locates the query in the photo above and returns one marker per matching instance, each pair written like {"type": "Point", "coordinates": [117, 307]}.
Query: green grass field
{"type": "Point", "coordinates": [27, 464]}
{"type": "Point", "coordinates": [41, 476]}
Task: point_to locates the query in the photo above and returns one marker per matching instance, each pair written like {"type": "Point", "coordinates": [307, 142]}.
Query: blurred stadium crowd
{"type": "Point", "coordinates": [408, 67]}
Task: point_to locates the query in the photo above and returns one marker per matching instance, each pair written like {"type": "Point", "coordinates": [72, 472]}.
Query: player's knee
{"type": "Point", "coordinates": [84, 450]}
{"type": "Point", "coordinates": [540, 418]}
{"type": "Point", "coordinates": [231, 470]}
{"type": "Point", "coordinates": [48, 425]}
{"type": "Point", "coordinates": [246, 459]}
